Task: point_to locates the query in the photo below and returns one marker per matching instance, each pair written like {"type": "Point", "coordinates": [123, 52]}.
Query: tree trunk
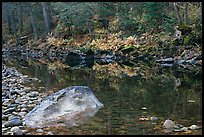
{"type": "Point", "coordinates": [20, 18]}
{"type": "Point", "coordinates": [8, 19]}
{"type": "Point", "coordinates": [13, 24]}
{"type": "Point", "coordinates": [49, 14]}
{"type": "Point", "coordinates": [177, 13]}
{"type": "Point", "coordinates": [201, 12]}
{"type": "Point", "coordinates": [186, 12]}
{"type": "Point", "coordinates": [33, 23]}
{"type": "Point", "coordinates": [46, 16]}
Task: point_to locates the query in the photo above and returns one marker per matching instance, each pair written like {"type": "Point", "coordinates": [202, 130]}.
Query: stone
{"type": "Point", "coordinates": [15, 128]}
{"type": "Point", "coordinates": [40, 130]}
{"type": "Point", "coordinates": [11, 117]}
{"type": "Point", "coordinates": [13, 122]}
{"type": "Point", "coordinates": [4, 129]}
{"type": "Point", "coordinates": [24, 110]}
{"type": "Point", "coordinates": [25, 131]}
{"type": "Point", "coordinates": [184, 128]}
{"type": "Point", "coordinates": [8, 133]}
{"type": "Point", "coordinates": [30, 102]}
{"type": "Point", "coordinates": [34, 98]}
{"type": "Point", "coordinates": [154, 119]}
{"type": "Point", "coordinates": [194, 127]}
{"type": "Point", "coordinates": [169, 124]}
{"type": "Point", "coordinates": [50, 133]}
{"type": "Point", "coordinates": [13, 92]}
{"type": "Point", "coordinates": [4, 117]}
{"type": "Point", "coordinates": [18, 132]}
{"type": "Point", "coordinates": [71, 106]}
{"type": "Point", "coordinates": [144, 108]}
{"type": "Point", "coordinates": [9, 110]}
{"type": "Point", "coordinates": [22, 114]}
{"type": "Point", "coordinates": [33, 94]}
{"type": "Point", "coordinates": [23, 106]}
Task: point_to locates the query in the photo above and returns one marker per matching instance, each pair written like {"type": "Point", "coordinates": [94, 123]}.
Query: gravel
{"type": "Point", "coordinates": [17, 101]}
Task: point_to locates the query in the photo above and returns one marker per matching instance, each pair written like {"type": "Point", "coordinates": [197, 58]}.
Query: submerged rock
{"type": "Point", "coordinates": [169, 124]}
{"type": "Point", "coordinates": [71, 106]}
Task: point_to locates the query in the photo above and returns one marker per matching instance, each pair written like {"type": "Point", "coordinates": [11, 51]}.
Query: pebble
{"type": "Point", "coordinates": [8, 115]}
{"type": "Point", "coordinates": [18, 101]}
{"type": "Point", "coordinates": [23, 106]}
{"type": "Point", "coordinates": [50, 133]}
{"type": "Point", "coordinates": [154, 119]}
{"type": "Point", "coordinates": [15, 128]}
{"type": "Point", "coordinates": [4, 129]}
{"type": "Point", "coordinates": [24, 110]}
{"type": "Point", "coordinates": [7, 111]}
{"type": "Point", "coordinates": [23, 93]}
{"type": "Point", "coordinates": [22, 114]}
{"type": "Point", "coordinates": [25, 131]}
{"type": "Point", "coordinates": [12, 92]}
{"type": "Point", "coordinates": [169, 124]}
{"type": "Point", "coordinates": [13, 122]}
{"type": "Point", "coordinates": [184, 128]}
{"type": "Point", "coordinates": [4, 117]}
{"type": "Point", "coordinates": [18, 132]}
{"type": "Point", "coordinates": [39, 130]}
{"type": "Point", "coordinates": [194, 127]}
{"type": "Point", "coordinates": [26, 89]}
{"type": "Point", "coordinates": [144, 108]}
{"type": "Point", "coordinates": [33, 98]}
{"type": "Point", "coordinates": [8, 133]}
{"type": "Point", "coordinates": [11, 117]}
{"type": "Point", "coordinates": [6, 103]}
{"type": "Point", "coordinates": [33, 94]}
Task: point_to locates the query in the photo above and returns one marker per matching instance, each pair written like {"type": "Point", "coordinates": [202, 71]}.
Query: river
{"type": "Point", "coordinates": [131, 92]}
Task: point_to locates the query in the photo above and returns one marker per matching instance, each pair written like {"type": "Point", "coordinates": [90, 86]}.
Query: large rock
{"type": "Point", "coordinates": [71, 106]}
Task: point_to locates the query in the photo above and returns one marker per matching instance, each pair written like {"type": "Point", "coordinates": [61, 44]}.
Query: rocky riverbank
{"type": "Point", "coordinates": [18, 98]}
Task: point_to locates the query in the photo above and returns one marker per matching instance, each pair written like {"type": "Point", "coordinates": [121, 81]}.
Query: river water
{"type": "Point", "coordinates": [131, 92]}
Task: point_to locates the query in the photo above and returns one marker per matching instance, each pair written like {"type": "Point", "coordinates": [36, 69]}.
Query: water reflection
{"type": "Point", "coordinates": [124, 88]}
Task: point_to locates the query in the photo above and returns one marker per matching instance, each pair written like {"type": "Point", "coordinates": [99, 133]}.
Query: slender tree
{"type": "Point", "coordinates": [186, 12]}
{"type": "Point", "coordinates": [46, 16]}
{"type": "Point", "coordinates": [13, 23]}
{"type": "Point", "coordinates": [8, 19]}
{"type": "Point", "coordinates": [33, 23]}
{"type": "Point", "coordinates": [20, 17]}
{"type": "Point", "coordinates": [201, 12]}
{"type": "Point", "coordinates": [177, 12]}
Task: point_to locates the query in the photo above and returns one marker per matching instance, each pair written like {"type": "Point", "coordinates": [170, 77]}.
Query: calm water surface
{"type": "Point", "coordinates": [124, 89]}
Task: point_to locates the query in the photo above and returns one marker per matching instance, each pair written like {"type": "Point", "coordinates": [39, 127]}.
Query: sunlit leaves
{"type": "Point", "coordinates": [56, 65]}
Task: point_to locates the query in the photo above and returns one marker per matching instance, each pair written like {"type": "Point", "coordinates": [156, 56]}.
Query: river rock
{"type": "Point", "coordinates": [24, 110]}
{"type": "Point", "coordinates": [169, 124]}
{"type": "Point", "coordinates": [40, 130]}
{"type": "Point", "coordinates": [18, 132]}
{"type": "Point", "coordinates": [22, 114]}
{"type": "Point", "coordinates": [49, 133]}
{"type": "Point", "coordinates": [194, 127]}
{"type": "Point", "coordinates": [184, 128]}
{"type": "Point", "coordinates": [71, 106]}
{"type": "Point", "coordinates": [13, 122]}
{"type": "Point", "coordinates": [11, 117]}
{"type": "Point", "coordinates": [9, 110]}
{"type": "Point", "coordinates": [15, 128]}
{"type": "Point", "coordinates": [33, 94]}
{"type": "Point", "coordinates": [14, 92]}
{"type": "Point", "coordinates": [4, 129]}
{"type": "Point", "coordinates": [23, 106]}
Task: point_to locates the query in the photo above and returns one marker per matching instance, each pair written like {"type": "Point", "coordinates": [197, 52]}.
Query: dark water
{"type": "Point", "coordinates": [124, 89]}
